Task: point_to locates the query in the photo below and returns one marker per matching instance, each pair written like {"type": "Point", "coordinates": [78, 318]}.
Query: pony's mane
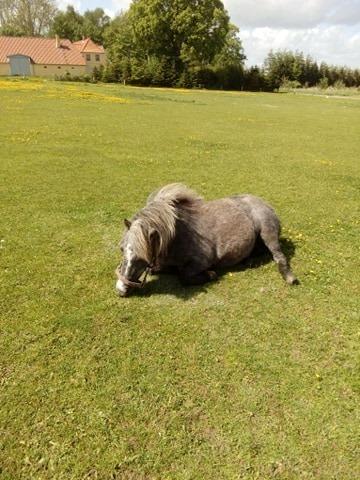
{"type": "Point", "coordinates": [175, 193]}
{"type": "Point", "coordinates": [153, 227]}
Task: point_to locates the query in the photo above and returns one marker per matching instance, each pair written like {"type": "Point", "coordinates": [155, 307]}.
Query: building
{"type": "Point", "coordinates": [93, 54]}
{"type": "Point", "coordinates": [47, 57]}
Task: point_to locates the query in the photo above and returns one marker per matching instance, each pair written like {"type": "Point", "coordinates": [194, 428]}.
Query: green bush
{"type": "Point", "coordinates": [288, 85]}
{"type": "Point", "coordinates": [323, 83]}
{"type": "Point", "coordinates": [67, 77]}
{"type": "Point", "coordinates": [339, 84]}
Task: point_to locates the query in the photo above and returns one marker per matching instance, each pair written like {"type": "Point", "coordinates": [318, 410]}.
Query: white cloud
{"type": "Point", "coordinates": [62, 4]}
{"type": "Point", "coordinates": [119, 5]}
{"type": "Point", "coordinates": [334, 44]}
{"type": "Point", "coordinates": [110, 13]}
{"type": "Point", "coordinates": [328, 30]}
{"type": "Point", "coordinates": [293, 13]}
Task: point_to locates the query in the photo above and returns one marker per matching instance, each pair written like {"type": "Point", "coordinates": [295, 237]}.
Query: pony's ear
{"type": "Point", "coordinates": [127, 223]}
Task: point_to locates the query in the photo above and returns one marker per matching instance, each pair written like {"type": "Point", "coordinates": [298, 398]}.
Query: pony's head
{"type": "Point", "coordinates": [147, 237]}
{"type": "Point", "coordinates": [138, 249]}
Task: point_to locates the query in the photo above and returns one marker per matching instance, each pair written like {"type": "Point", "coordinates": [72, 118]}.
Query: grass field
{"type": "Point", "coordinates": [245, 378]}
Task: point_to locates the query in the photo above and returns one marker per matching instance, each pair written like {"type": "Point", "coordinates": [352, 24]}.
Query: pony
{"type": "Point", "coordinates": [178, 229]}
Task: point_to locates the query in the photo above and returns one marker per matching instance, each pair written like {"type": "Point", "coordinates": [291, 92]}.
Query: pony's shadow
{"type": "Point", "coordinates": [169, 284]}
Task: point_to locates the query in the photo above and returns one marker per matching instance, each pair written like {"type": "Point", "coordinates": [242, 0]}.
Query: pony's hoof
{"type": "Point", "coordinates": [292, 280]}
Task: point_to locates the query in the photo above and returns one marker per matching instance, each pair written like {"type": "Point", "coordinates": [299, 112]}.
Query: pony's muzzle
{"type": "Point", "coordinates": [123, 284]}
{"type": "Point", "coordinates": [121, 288]}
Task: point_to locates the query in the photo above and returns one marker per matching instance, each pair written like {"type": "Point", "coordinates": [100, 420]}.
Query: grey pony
{"type": "Point", "coordinates": [178, 229]}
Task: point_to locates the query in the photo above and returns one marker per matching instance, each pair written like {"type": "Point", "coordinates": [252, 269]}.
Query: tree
{"type": "Point", "coordinates": [74, 26]}
{"type": "Point", "coordinates": [229, 62]}
{"type": "Point", "coordinates": [280, 66]}
{"type": "Point", "coordinates": [7, 14]}
{"type": "Point", "coordinates": [311, 74]}
{"type": "Point", "coordinates": [26, 17]}
{"type": "Point", "coordinates": [94, 24]}
{"type": "Point", "coordinates": [158, 40]}
{"type": "Point", "coordinates": [232, 52]}
{"type": "Point", "coordinates": [293, 68]}
{"type": "Point", "coordinates": [286, 66]}
{"type": "Point", "coordinates": [120, 44]}
{"type": "Point", "coordinates": [192, 31]}
{"type": "Point", "coordinates": [68, 24]}
{"type": "Point", "coordinates": [255, 79]}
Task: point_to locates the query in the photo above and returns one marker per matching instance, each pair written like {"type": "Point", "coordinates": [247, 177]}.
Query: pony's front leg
{"type": "Point", "coordinates": [167, 269]}
{"type": "Point", "coordinates": [190, 276]}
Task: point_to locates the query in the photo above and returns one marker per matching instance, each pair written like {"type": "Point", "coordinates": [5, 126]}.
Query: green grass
{"type": "Point", "coordinates": [245, 378]}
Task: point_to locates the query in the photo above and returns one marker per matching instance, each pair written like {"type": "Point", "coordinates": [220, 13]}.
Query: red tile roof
{"type": "Point", "coordinates": [88, 46]}
{"type": "Point", "coordinates": [41, 50]}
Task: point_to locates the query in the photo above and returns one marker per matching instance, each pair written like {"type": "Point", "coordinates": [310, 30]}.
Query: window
{"type": "Point", "coordinates": [45, 66]}
{"type": "Point", "coordinates": [59, 68]}
{"type": "Point", "coordinates": [88, 57]}
{"type": "Point", "coordinates": [97, 57]}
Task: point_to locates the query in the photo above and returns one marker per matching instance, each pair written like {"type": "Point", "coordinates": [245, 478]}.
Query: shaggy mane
{"type": "Point", "coordinates": [175, 193]}
{"type": "Point", "coordinates": [153, 227]}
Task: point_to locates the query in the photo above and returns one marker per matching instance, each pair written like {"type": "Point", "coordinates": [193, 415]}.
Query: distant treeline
{"type": "Point", "coordinates": [282, 69]}
{"type": "Point", "coordinates": [168, 43]}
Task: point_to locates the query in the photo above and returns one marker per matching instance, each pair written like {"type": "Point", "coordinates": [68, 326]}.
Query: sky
{"type": "Point", "coordinates": [328, 30]}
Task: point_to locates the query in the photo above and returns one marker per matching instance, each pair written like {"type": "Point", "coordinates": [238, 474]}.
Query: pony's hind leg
{"type": "Point", "coordinates": [270, 236]}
